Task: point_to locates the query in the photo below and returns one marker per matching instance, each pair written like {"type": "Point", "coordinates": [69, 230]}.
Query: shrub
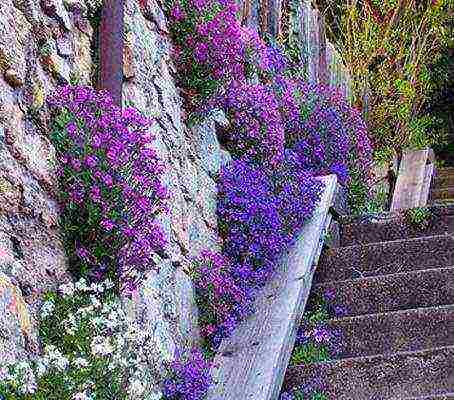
{"type": "Point", "coordinates": [418, 217]}
{"type": "Point", "coordinates": [260, 212]}
{"type": "Point", "coordinates": [110, 186]}
{"type": "Point", "coordinates": [221, 301]}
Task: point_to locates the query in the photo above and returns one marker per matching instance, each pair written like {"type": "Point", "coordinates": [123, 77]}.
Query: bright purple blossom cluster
{"type": "Point", "coordinates": [190, 379]}
{"type": "Point", "coordinates": [260, 211]}
{"type": "Point", "coordinates": [256, 129]}
{"type": "Point", "coordinates": [111, 189]}
{"type": "Point", "coordinates": [222, 302]}
{"type": "Point", "coordinates": [328, 135]}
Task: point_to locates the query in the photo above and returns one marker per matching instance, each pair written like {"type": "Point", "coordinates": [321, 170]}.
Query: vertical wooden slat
{"type": "Point", "coordinates": [111, 48]}
{"type": "Point", "coordinates": [410, 180]}
{"type": "Point", "coordinates": [322, 66]}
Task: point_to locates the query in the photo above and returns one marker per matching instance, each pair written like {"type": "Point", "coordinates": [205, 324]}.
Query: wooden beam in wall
{"type": "Point", "coordinates": [111, 49]}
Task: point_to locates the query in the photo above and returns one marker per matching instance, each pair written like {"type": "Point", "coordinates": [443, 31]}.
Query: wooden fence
{"type": "Point", "coordinates": [306, 25]}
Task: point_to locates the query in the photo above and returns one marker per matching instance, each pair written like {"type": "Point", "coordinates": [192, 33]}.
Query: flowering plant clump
{"type": "Point", "coordinates": [110, 185]}
{"type": "Point", "coordinates": [91, 350]}
{"type": "Point", "coordinates": [316, 340]}
{"type": "Point", "coordinates": [221, 301]}
{"type": "Point", "coordinates": [256, 129]}
{"type": "Point", "coordinates": [212, 49]}
{"type": "Point", "coordinates": [260, 212]}
{"type": "Point", "coordinates": [326, 132]}
{"type": "Point", "coordinates": [190, 379]}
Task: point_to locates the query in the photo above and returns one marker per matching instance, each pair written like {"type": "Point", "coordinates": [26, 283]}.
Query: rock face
{"type": "Point", "coordinates": [32, 258]}
{"type": "Point", "coordinates": [49, 42]}
{"type": "Point", "coordinates": [192, 157]}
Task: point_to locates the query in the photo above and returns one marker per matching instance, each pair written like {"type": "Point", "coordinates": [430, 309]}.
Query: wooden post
{"type": "Point", "coordinates": [111, 49]}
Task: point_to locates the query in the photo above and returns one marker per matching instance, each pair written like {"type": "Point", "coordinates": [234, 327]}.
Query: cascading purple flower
{"type": "Point", "coordinates": [190, 378]}
{"type": "Point", "coordinates": [110, 178]}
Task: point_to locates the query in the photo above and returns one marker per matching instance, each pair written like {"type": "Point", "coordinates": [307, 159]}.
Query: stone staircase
{"type": "Point", "coordinates": [443, 191]}
{"type": "Point", "coordinates": [397, 284]}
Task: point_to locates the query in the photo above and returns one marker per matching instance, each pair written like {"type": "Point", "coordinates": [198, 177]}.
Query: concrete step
{"type": "Point", "coordinates": [384, 377]}
{"type": "Point", "coordinates": [445, 192]}
{"type": "Point", "coordinates": [445, 396]}
{"type": "Point", "coordinates": [394, 292]}
{"type": "Point", "coordinates": [443, 180]}
{"type": "Point", "coordinates": [397, 331]}
{"type": "Point", "coordinates": [397, 227]}
{"type": "Point", "coordinates": [445, 171]}
{"type": "Point", "coordinates": [385, 258]}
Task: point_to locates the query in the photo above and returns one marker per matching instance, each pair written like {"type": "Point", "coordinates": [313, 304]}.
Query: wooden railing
{"type": "Point", "coordinates": [250, 365]}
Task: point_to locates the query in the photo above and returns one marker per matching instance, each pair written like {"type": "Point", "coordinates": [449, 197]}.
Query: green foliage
{"type": "Point", "coordinates": [419, 216]}
{"type": "Point", "coordinates": [309, 353]}
{"type": "Point", "coordinates": [358, 194]}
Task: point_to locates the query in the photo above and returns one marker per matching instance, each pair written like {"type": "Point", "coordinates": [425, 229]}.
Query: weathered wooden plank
{"type": "Point", "coordinates": [313, 46]}
{"type": "Point", "coordinates": [410, 180]}
{"type": "Point", "coordinates": [111, 49]}
{"type": "Point", "coordinates": [322, 66]}
{"type": "Point", "coordinates": [428, 174]}
{"type": "Point", "coordinates": [251, 364]}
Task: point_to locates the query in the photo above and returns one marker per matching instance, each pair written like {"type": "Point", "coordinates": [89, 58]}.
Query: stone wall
{"type": "Point", "coordinates": [192, 157]}
{"type": "Point", "coordinates": [42, 44]}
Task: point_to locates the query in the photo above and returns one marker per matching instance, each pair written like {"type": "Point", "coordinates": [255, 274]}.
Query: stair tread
{"type": "Point", "coordinates": [443, 396]}
{"type": "Point", "coordinates": [392, 376]}
{"type": "Point", "coordinates": [392, 292]}
{"type": "Point", "coordinates": [393, 331]}
{"type": "Point", "coordinates": [382, 258]}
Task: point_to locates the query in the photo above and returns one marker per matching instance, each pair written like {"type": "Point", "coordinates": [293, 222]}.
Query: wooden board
{"type": "Point", "coordinates": [410, 180]}
{"type": "Point", "coordinates": [251, 364]}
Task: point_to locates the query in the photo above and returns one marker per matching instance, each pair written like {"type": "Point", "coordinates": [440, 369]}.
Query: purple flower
{"type": "Point", "coordinates": [120, 139]}
{"type": "Point", "coordinates": [107, 224]}
{"type": "Point", "coordinates": [91, 161]}
{"type": "Point", "coordinates": [330, 294]}
{"type": "Point", "coordinates": [321, 334]}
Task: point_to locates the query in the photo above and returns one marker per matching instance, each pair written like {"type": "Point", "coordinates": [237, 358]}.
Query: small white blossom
{"type": "Point", "coordinates": [101, 346]}
{"type": "Point", "coordinates": [80, 362]}
{"type": "Point", "coordinates": [136, 388]}
{"type": "Point", "coordinates": [67, 289]}
{"type": "Point", "coordinates": [47, 308]}
{"type": "Point", "coordinates": [41, 366]}
{"type": "Point", "coordinates": [108, 284]}
{"type": "Point", "coordinates": [82, 396]}
{"type": "Point", "coordinates": [82, 285]}
{"type": "Point", "coordinates": [95, 302]}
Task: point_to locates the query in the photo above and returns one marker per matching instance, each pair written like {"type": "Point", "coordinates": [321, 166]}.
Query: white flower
{"type": "Point", "coordinates": [82, 285]}
{"type": "Point", "coordinates": [95, 302]}
{"type": "Point", "coordinates": [47, 308]}
{"type": "Point", "coordinates": [97, 287]}
{"type": "Point", "coordinates": [101, 346]}
{"type": "Point", "coordinates": [82, 396]}
{"type": "Point", "coordinates": [4, 374]}
{"type": "Point", "coordinates": [67, 289]}
{"type": "Point", "coordinates": [41, 367]}
{"type": "Point", "coordinates": [84, 311]}
{"type": "Point", "coordinates": [80, 362]}
{"type": "Point", "coordinates": [108, 284]}
{"type": "Point", "coordinates": [136, 388]}
{"type": "Point", "coordinates": [62, 362]}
